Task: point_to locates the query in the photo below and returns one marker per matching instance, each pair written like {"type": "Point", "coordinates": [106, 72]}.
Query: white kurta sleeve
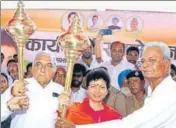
{"type": "Point", "coordinates": [5, 112]}
{"type": "Point", "coordinates": [5, 97]}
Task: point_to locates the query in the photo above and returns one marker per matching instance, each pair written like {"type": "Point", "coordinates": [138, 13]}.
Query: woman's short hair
{"type": "Point", "coordinates": [96, 74]}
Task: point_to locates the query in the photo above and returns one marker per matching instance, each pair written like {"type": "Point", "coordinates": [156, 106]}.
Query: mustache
{"type": "Point", "coordinates": [76, 83]}
{"type": "Point", "coordinates": [73, 81]}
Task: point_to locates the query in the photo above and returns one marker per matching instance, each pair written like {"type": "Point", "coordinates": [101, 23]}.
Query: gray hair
{"type": "Point", "coordinates": [164, 47]}
{"type": "Point", "coordinates": [52, 56]}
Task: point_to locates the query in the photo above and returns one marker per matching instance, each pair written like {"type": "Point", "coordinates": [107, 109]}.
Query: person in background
{"type": "Point", "coordinates": [117, 63]}
{"type": "Point", "coordinates": [29, 70]}
{"type": "Point", "coordinates": [11, 64]}
{"type": "Point", "coordinates": [116, 99]}
{"type": "Point", "coordinates": [8, 48]}
{"type": "Point", "coordinates": [132, 56]}
{"type": "Point", "coordinates": [136, 83]}
{"type": "Point", "coordinates": [84, 79]}
{"type": "Point", "coordinates": [122, 81]}
{"type": "Point", "coordinates": [60, 76]}
{"type": "Point", "coordinates": [92, 109]}
{"type": "Point", "coordinates": [14, 72]}
{"type": "Point", "coordinates": [126, 104]}
{"type": "Point", "coordinates": [88, 59]}
{"type": "Point", "coordinates": [15, 57]}
{"type": "Point", "coordinates": [173, 71]}
{"type": "Point", "coordinates": [4, 82]}
{"type": "Point", "coordinates": [4, 86]}
{"type": "Point", "coordinates": [2, 57]}
{"type": "Point", "coordinates": [77, 92]}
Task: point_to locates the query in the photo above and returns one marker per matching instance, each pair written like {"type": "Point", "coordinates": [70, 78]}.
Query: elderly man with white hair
{"type": "Point", "coordinates": [159, 110]}
{"type": "Point", "coordinates": [42, 93]}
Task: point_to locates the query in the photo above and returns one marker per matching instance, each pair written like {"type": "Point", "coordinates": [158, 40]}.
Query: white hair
{"type": "Point", "coordinates": [51, 55]}
{"type": "Point", "coordinates": [164, 47]}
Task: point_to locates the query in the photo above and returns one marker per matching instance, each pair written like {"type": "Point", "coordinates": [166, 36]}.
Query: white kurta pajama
{"type": "Point", "coordinates": [43, 104]}
{"type": "Point", "coordinates": [159, 110]}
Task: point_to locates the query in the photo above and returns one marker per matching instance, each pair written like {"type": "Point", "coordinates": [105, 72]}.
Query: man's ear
{"type": "Point", "coordinates": [143, 82]}
{"type": "Point", "coordinates": [54, 70]}
{"type": "Point", "coordinates": [167, 64]}
{"type": "Point", "coordinates": [32, 69]}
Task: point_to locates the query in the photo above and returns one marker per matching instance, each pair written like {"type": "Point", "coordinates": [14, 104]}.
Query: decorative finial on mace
{"type": "Point", "coordinates": [73, 42]}
{"type": "Point", "coordinates": [20, 28]}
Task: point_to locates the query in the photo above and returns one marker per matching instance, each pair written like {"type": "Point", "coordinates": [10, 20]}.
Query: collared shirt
{"type": "Point", "coordinates": [5, 112]}
{"type": "Point", "coordinates": [43, 104]}
{"type": "Point", "coordinates": [94, 63]}
{"type": "Point", "coordinates": [79, 95]}
{"type": "Point", "coordinates": [132, 104]}
{"type": "Point", "coordinates": [159, 110]}
{"type": "Point", "coordinates": [116, 100]}
{"type": "Point", "coordinates": [114, 71]}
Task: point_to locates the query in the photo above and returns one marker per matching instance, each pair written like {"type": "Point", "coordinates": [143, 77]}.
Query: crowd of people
{"type": "Point", "coordinates": [125, 89]}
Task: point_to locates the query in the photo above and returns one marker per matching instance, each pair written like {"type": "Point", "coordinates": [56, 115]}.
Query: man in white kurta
{"type": "Point", "coordinates": [43, 97]}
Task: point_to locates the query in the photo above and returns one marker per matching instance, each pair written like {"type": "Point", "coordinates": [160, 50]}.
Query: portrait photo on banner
{"type": "Point", "coordinates": [95, 22]}
{"type": "Point", "coordinates": [134, 24]}
{"type": "Point", "coordinates": [115, 23]}
{"type": "Point", "coordinates": [67, 18]}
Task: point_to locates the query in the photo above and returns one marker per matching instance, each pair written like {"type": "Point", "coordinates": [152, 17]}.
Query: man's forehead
{"type": "Point", "coordinates": [117, 45]}
{"type": "Point", "coordinates": [133, 52]}
{"type": "Point", "coordinates": [12, 63]}
{"type": "Point", "coordinates": [153, 49]}
{"type": "Point", "coordinates": [43, 57]}
{"type": "Point", "coordinates": [153, 52]}
{"type": "Point", "coordinates": [134, 78]}
{"type": "Point", "coordinates": [60, 70]}
{"type": "Point", "coordinates": [42, 61]}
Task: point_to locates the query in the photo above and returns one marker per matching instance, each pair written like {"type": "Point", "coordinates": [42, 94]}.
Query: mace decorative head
{"type": "Point", "coordinates": [20, 27]}
{"type": "Point", "coordinates": [74, 39]}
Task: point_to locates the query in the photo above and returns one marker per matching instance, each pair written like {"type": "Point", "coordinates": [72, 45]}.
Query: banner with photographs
{"type": "Point", "coordinates": [130, 27]}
